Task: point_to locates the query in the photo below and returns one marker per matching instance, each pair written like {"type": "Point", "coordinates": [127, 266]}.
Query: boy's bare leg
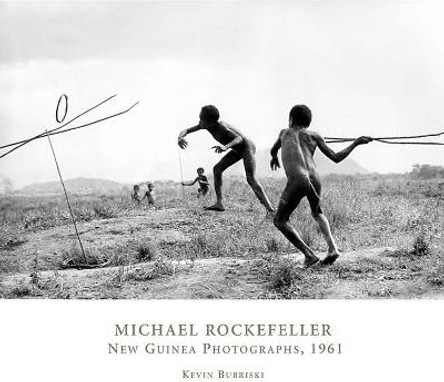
{"type": "Point", "coordinates": [281, 221]}
{"type": "Point", "coordinates": [314, 199]}
{"type": "Point", "coordinates": [324, 226]}
{"type": "Point", "coordinates": [228, 160]}
{"type": "Point", "coordinates": [250, 171]}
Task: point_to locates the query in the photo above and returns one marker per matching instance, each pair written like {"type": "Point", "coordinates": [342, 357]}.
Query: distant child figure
{"type": "Point", "coordinates": [135, 196]}
{"type": "Point", "coordinates": [203, 183]}
{"type": "Point", "coordinates": [149, 194]}
{"type": "Point", "coordinates": [239, 146]}
{"type": "Point", "coordinates": [298, 146]}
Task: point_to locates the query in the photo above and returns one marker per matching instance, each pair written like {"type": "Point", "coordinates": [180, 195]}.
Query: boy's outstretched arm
{"type": "Point", "coordinates": [340, 155]}
{"type": "Point", "coordinates": [181, 141]}
{"type": "Point", "coordinates": [274, 163]}
{"type": "Point", "coordinates": [189, 183]}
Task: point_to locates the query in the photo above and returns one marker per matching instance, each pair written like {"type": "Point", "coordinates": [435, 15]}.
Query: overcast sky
{"type": "Point", "coordinates": [373, 68]}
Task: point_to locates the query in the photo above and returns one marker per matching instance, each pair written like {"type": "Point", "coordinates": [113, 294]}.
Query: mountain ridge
{"type": "Point", "coordinates": [83, 185]}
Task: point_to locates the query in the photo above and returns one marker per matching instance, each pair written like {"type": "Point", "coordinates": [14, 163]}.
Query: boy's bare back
{"type": "Point", "coordinates": [297, 150]}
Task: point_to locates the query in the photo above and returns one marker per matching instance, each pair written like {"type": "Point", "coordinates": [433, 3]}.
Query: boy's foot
{"type": "Point", "coordinates": [330, 258]}
{"type": "Point", "coordinates": [215, 207]}
{"type": "Point", "coordinates": [308, 262]}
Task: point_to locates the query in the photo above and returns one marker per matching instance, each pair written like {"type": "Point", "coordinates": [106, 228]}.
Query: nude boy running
{"type": "Point", "coordinates": [298, 145]}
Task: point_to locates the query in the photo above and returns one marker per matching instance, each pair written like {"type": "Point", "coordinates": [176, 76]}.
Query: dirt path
{"type": "Point", "coordinates": [210, 278]}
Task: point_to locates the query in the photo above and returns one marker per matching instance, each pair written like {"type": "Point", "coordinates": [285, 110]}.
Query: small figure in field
{"type": "Point", "coordinates": [298, 145]}
{"type": "Point", "coordinates": [203, 183]}
{"type": "Point", "coordinates": [239, 146]}
{"type": "Point", "coordinates": [135, 196]}
{"type": "Point", "coordinates": [149, 195]}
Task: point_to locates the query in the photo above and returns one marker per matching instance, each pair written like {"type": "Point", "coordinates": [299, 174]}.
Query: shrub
{"type": "Point", "coordinates": [420, 246]}
{"type": "Point", "coordinates": [74, 258]}
{"type": "Point", "coordinates": [272, 245]}
{"type": "Point", "coordinates": [20, 290]}
{"type": "Point", "coordinates": [104, 212]}
{"type": "Point", "coordinates": [282, 276]}
{"type": "Point", "coordinates": [146, 252]}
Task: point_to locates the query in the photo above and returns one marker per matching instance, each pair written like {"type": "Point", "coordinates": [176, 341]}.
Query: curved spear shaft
{"type": "Point", "coordinates": [387, 138]}
{"type": "Point", "coordinates": [55, 132]}
{"type": "Point", "coordinates": [94, 122]}
{"type": "Point", "coordinates": [390, 142]}
{"type": "Point", "coordinates": [48, 132]}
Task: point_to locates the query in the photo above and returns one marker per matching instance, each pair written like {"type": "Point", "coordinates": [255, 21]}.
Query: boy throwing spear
{"type": "Point", "coordinates": [298, 145]}
{"type": "Point", "coordinates": [238, 147]}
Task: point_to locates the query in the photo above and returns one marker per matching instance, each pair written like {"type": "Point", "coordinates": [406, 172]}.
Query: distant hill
{"type": "Point", "coordinates": [75, 186]}
{"type": "Point", "coordinates": [325, 166]}
{"type": "Point", "coordinates": [103, 186]}
{"type": "Point", "coordinates": [346, 167]}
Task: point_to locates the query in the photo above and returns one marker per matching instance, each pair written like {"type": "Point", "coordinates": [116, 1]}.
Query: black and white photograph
{"type": "Point", "coordinates": [275, 166]}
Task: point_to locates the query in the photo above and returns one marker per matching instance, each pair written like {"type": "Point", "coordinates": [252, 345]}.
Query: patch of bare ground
{"type": "Point", "coordinates": [106, 235]}
{"type": "Point", "coordinates": [372, 273]}
{"type": "Point", "coordinates": [362, 274]}
{"type": "Point", "coordinates": [160, 279]}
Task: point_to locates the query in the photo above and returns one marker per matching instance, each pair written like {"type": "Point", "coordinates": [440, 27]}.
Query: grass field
{"type": "Point", "coordinates": [389, 229]}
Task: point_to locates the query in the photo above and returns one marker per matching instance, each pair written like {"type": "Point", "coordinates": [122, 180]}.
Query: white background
{"type": "Point", "coordinates": [68, 340]}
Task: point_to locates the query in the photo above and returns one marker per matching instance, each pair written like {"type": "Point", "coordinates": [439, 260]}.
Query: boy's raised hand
{"type": "Point", "coordinates": [219, 149]}
{"type": "Point", "coordinates": [364, 140]}
{"type": "Point", "coordinates": [182, 142]}
{"type": "Point", "coordinates": [274, 163]}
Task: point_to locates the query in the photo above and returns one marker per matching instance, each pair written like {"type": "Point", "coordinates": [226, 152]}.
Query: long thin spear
{"type": "Point", "coordinates": [26, 141]}
{"type": "Point", "coordinates": [409, 143]}
{"type": "Point", "coordinates": [388, 138]}
{"type": "Point", "coordinates": [67, 200]}
{"type": "Point", "coordinates": [86, 124]}
{"type": "Point", "coordinates": [181, 174]}
{"type": "Point", "coordinates": [73, 128]}
{"type": "Point", "coordinates": [389, 142]}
